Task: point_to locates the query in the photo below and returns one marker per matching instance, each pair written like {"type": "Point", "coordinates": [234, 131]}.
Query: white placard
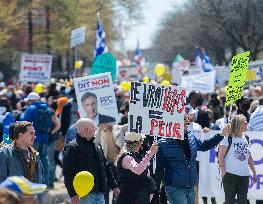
{"type": "Point", "coordinates": [222, 75]}
{"type": "Point", "coordinates": [77, 36]}
{"type": "Point", "coordinates": [210, 179]}
{"type": "Point", "coordinates": [35, 68]}
{"type": "Point", "coordinates": [96, 98]}
{"type": "Point", "coordinates": [258, 67]}
{"type": "Point", "coordinates": [205, 82]}
{"type": "Point", "coordinates": [157, 110]}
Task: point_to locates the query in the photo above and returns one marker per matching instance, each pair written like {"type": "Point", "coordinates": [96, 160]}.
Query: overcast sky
{"type": "Point", "coordinates": [153, 10]}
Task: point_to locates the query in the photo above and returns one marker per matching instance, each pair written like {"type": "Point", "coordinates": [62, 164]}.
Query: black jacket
{"type": "Point", "coordinates": [83, 155]}
{"type": "Point", "coordinates": [65, 118]}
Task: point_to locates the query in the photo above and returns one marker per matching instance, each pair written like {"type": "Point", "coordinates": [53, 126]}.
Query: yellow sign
{"type": "Point", "coordinates": [251, 75]}
{"type": "Point", "coordinates": [237, 78]}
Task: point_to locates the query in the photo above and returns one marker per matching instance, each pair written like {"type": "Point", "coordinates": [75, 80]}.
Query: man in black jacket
{"type": "Point", "coordinates": [83, 154]}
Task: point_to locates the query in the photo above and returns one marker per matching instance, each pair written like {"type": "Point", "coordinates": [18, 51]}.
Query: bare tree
{"type": "Point", "coordinates": [216, 25]}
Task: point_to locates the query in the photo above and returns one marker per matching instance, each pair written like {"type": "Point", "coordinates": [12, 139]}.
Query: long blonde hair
{"type": "Point", "coordinates": [236, 123]}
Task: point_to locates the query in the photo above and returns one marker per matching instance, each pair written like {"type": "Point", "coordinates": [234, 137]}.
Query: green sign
{"type": "Point", "coordinates": [237, 78]}
{"type": "Point", "coordinates": [104, 63]}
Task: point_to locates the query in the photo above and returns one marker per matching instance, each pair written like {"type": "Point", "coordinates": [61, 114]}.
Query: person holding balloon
{"type": "Point", "coordinates": [136, 185]}
{"type": "Point", "coordinates": [83, 154]}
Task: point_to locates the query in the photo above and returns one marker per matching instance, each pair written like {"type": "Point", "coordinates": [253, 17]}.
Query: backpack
{"type": "Point", "coordinates": [230, 143]}
{"type": "Point", "coordinates": [45, 122]}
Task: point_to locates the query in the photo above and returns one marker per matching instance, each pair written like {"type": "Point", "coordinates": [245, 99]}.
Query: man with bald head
{"type": "Point", "coordinates": [83, 154]}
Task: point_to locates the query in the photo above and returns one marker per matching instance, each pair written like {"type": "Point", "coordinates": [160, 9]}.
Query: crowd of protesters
{"type": "Point", "coordinates": [41, 129]}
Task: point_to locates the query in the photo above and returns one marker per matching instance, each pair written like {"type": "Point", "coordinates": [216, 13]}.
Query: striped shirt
{"type": "Point", "coordinates": [256, 120]}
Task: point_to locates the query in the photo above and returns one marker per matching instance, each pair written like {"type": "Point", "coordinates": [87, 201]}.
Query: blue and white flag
{"type": "Point", "coordinates": [100, 45]}
{"type": "Point", "coordinates": [198, 60]}
{"type": "Point", "coordinates": [138, 57]}
{"type": "Point", "coordinates": [207, 65]}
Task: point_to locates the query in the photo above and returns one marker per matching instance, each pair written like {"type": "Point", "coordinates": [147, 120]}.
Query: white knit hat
{"type": "Point", "coordinates": [133, 136]}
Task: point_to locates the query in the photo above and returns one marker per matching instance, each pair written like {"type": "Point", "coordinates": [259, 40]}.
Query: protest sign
{"type": "Point", "coordinates": [35, 68]}
{"type": "Point", "coordinates": [237, 78]}
{"type": "Point", "coordinates": [255, 69]}
{"type": "Point", "coordinates": [157, 110]}
{"type": "Point", "coordinates": [222, 75]}
{"type": "Point", "coordinates": [104, 63]}
{"type": "Point", "coordinates": [210, 179]}
{"type": "Point", "coordinates": [96, 98]}
{"type": "Point", "coordinates": [77, 36]}
{"type": "Point", "coordinates": [177, 74]}
{"type": "Point", "coordinates": [205, 82]}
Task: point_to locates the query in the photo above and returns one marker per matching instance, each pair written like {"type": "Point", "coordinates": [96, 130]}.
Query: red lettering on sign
{"type": "Point", "coordinates": [161, 127]}
{"type": "Point", "coordinates": [33, 68]}
{"type": "Point", "coordinates": [100, 82]}
{"type": "Point", "coordinates": [154, 124]}
{"type": "Point", "coordinates": [176, 132]}
{"type": "Point", "coordinates": [168, 129]}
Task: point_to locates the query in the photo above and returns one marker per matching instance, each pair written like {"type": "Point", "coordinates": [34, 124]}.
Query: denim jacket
{"type": "Point", "coordinates": [11, 164]}
{"type": "Point", "coordinates": [173, 165]}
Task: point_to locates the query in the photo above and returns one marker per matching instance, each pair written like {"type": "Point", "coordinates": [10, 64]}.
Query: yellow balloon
{"type": "Point", "coordinates": [78, 64]}
{"type": "Point", "coordinates": [39, 88]}
{"type": "Point", "coordinates": [83, 183]}
{"type": "Point", "coordinates": [126, 85]}
{"type": "Point", "coordinates": [159, 69]}
{"type": "Point", "coordinates": [165, 83]}
{"type": "Point", "coordinates": [146, 79]}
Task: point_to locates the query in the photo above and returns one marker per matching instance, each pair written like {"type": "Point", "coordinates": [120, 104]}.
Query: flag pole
{"type": "Point", "coordinates": [154, 157]}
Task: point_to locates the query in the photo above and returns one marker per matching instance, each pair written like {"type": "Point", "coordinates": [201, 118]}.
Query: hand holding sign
{"type": "Point", "coordinates": [154, 148]}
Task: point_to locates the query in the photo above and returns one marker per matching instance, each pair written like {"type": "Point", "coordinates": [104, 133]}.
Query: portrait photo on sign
{"type": "Point", "coordinates": [96, 98]}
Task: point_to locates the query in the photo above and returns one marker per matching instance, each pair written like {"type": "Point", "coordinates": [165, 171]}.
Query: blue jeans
{"type": "Point", "coordinates": [42, 149]}
{"type": "Point", "coordinates": [52, 167]}
{"type": "Point", "coordinates": [93, 198]}
{"type": "Point", "coordinates": [180, 195]}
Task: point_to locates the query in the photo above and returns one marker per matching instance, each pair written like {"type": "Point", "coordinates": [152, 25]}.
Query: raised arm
{"type": "Point", "coordinates": [129, 162]}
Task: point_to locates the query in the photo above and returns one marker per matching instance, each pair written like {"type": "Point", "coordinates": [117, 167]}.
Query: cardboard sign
{"type": "Point", "coordinates": [222, 75]}
{"type": "Point", "coordinates": [96, 98]}
{"type": "Point", "coordinates": [255, 71]}
{"type": "Point", "coordinates": [77, 36]}
{"type": "Point", "coordinates": [105, 63]}
{"type": "Point", "coordinates": [35, 68]}
{"type": "Point", "coordinates": [157, 110]}
{"type": "Point", "coordinates": [205, 82]}
{"type": "Point", "coordinates": [237, 77]}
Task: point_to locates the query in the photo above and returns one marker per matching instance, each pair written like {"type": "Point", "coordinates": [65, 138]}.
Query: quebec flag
{"type": "Point", "coordinates": [100, 45]}
{"type": "Point", "coordinates": [207, 65]}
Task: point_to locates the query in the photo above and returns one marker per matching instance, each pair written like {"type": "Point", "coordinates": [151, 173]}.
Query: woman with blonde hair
{"type": "Point", "coordinates": [136, 185]}
{"type": "Point", "coordinates": [235, 160]}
